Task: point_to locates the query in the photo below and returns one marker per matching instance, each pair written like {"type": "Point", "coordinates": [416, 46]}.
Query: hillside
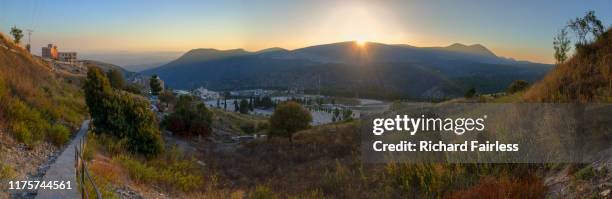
{"type": "Point", "coordinates": [585, 77]}
{"type": "Point", "coordinates": [107, 66]}
{"type": "Point", "coordinates": [375, 70]}
{"type": "Point", "coordinates": [38, 110]}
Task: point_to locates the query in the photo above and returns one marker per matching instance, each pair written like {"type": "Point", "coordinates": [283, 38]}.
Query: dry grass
{"type": "Point", "coordinates": [586, 77]}
{"type": "Point", "coordinates": [503, 187]}
{"type": "Point", "coordinates": [27, 80]}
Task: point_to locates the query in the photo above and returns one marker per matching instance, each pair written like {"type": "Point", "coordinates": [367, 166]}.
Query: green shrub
{"type": "Point", "coordinates": [516, 86]}
{"type": "Point", "coordinates": [190, 118]}
{"type": "Point", "coordinates": [470, 93]}
{"type": "Point", "coordinates": [58, 134]}
{"type": "Point", "coordinates": [248, 127]}
{"type": "Point", "coordinates": [138, 171]}
{"type": "Point", "coordinates": [288, 118]}
{"type": "Point", "coordinates": [585, 173]}
{"type": "Point", "coordinates": [26, 124]}
{"type": "Point", "coordinates": [262, 126]}
{"type": "Point", "coordinates": [22, 133]}
{"type": "Point", "coordinates": [263, 192]}
{"type": "Point", "coordinates": [174, 174]}
{"type": "Point", "coordinates": [122, 115]}
{"type": "Point", "coordinates": [7, 172]}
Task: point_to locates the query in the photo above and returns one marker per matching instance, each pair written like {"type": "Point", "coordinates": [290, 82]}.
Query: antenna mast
{"type": "Point", "coordinates": [28, 47]}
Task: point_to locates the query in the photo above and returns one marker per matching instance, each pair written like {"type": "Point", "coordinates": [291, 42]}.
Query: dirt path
{"type": "Point", "coordinates": [63, 170]}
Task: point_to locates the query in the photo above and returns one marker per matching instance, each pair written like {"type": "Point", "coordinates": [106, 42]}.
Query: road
{"type": "Point", "coordinates": [63, 170]}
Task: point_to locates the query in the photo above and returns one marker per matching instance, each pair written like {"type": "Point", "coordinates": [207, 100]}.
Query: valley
{"type": "Point", "coordinates": [305, 100]}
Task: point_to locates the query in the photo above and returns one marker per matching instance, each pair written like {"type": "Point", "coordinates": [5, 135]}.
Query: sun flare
{"type": "Point", "coordinates": [360, 42]}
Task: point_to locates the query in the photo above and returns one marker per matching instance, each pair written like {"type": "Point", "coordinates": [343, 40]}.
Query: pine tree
{"type": "Point", "coordinates": [236, 107]}
{"type": "Point", "coordinates": [155, 85]}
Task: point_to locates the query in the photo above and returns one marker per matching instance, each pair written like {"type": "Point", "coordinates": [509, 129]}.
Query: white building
{"type": "Point", "coordinates": [181, 92]}
{"type": "Point", "coordinates": [205, 93]}
{"type": "Point", "coordinates": [67, 56]}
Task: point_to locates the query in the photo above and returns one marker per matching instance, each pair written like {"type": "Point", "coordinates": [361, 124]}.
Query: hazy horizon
{"type": "Point", "coordinates": [522, 30]}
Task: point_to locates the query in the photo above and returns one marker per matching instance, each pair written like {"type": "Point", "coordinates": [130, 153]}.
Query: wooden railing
{"type": "Point", "coordinates": [83, 175]}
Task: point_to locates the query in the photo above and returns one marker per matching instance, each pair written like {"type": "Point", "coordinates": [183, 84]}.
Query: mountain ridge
{"type": "Point", "coordinates": [343, 65]}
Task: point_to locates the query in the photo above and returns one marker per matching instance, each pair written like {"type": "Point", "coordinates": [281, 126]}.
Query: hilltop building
{"type": "Point", "coordinates": [50, 52]}
{"type": "Point", "coordinates": [67, 56]}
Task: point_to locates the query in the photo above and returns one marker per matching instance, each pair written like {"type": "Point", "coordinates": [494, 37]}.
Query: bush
{"type": "Point", "coordinates": [244, 106]}
{"type": "Point", "coordinates": [288, 118]}
{"type": "Point", "coordinates": [470, 93]}
{"type": "Point", "coordinates": [26, 124]}
{"type": "Point", "coordinates": [262, 126]}
{"type": "Point", "coordinates": [171, 173]}
{"type": "Point", "coordinates": [248, 127]}
{"type": "Point", "coordinates": [122, 115]}
{"type": "Point", "coordinates": [585, 173]}
{"type": "Point", "coordinates": [516, 86]}
{"type": "Point", "coordinates": [7, 172]}
{"type": "Point", "coordinates": [58, 134]}
{"type": "Point", "coordinates": [190, 118]}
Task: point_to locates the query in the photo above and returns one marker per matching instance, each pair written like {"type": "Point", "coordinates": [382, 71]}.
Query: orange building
{"type": "Point", "coordinates": [50, 52]}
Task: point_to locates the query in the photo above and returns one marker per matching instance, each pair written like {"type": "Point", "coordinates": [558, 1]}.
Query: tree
{"type": "Point", "coordinates": [155, 85]}
{"type": "Point", "coordinates": [122, 115]}
{"type": "Point", "coordinates": [517, 86]}
{"type": "Point", "coordinates": [97, 93]}
{"type": "Point", "coordinates": [347, 114]}
{"type": "Point", "coordinates": [236, 107]}
{"type": "Point", "coordinates": [133, 88]}
{"type": "Point", "coordinates": [224, 104]}
{"type": "Point", "coordinates": [191, 117]}
{"type": "Point", "coordinates": [140, 126]}
{"type": "Point", "coordinates": [167, 97]}
{"type": "Point", "coordinates": [470, 93]}
{"type": "Point", "coordinates": [288, 118]}
{"type": "Point", "coordinates": [597, 28]}
{"type": "Point", "coordinates": [336, 112]}
{"type": "Point", "coordinates": [116, 78]}
{"type": "Point", "coordinates": [244, 106]}
{"type": "Point", "coordinates": [585, 25]}
{"type": "Point", "coordinates": [17, 34]}
{"type": "Point", "coordinates": [561, 44]}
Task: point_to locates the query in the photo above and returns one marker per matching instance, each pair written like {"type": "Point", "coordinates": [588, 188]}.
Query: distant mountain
{"type": "Point", "coordinates": [134, 61]}
{"type": "Point", "coordinates": [142, 67]}
{"type": "Point", "coordinates": [376, 70]}
{"type": "Point", "coordinates": [106, 67]}
{"type": "Point", "coordinates": [207, 54]}
{"type": "Point", "coordinates": [475, 49]}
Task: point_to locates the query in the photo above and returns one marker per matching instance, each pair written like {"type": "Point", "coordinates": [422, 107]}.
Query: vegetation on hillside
{"type": "Point", "coordinates": [586, 76]}
{"type": "Point", "coordinates": [155, 85]}
{"type": "Point", "coordinates": [36, 104]}
{"type": "Point", "coordinates": [288, 118]}
{"type": "Point", "coordinates": [517, 86]}
{"type": "Point", "coordinates": [122, 115]}
{"type": "Point", "coordinates": [325, 162]}
{"type": "Point", "coordinates": [115, 78]}
{"type": "Point", "coordinates": [190, 118]}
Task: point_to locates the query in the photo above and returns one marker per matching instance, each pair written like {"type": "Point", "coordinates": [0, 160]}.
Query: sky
{"type": "Point", "coordinates": [521, 29]}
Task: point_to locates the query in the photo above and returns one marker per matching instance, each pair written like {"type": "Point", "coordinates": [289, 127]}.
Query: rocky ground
{"type": "Point", "coordinates": [27, 164]}
{"type": "Point", "coordinates": [592, 180]}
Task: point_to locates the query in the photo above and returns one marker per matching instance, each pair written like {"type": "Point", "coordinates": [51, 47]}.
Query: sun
{"type": "Point", "coordinates": [360, 42]}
